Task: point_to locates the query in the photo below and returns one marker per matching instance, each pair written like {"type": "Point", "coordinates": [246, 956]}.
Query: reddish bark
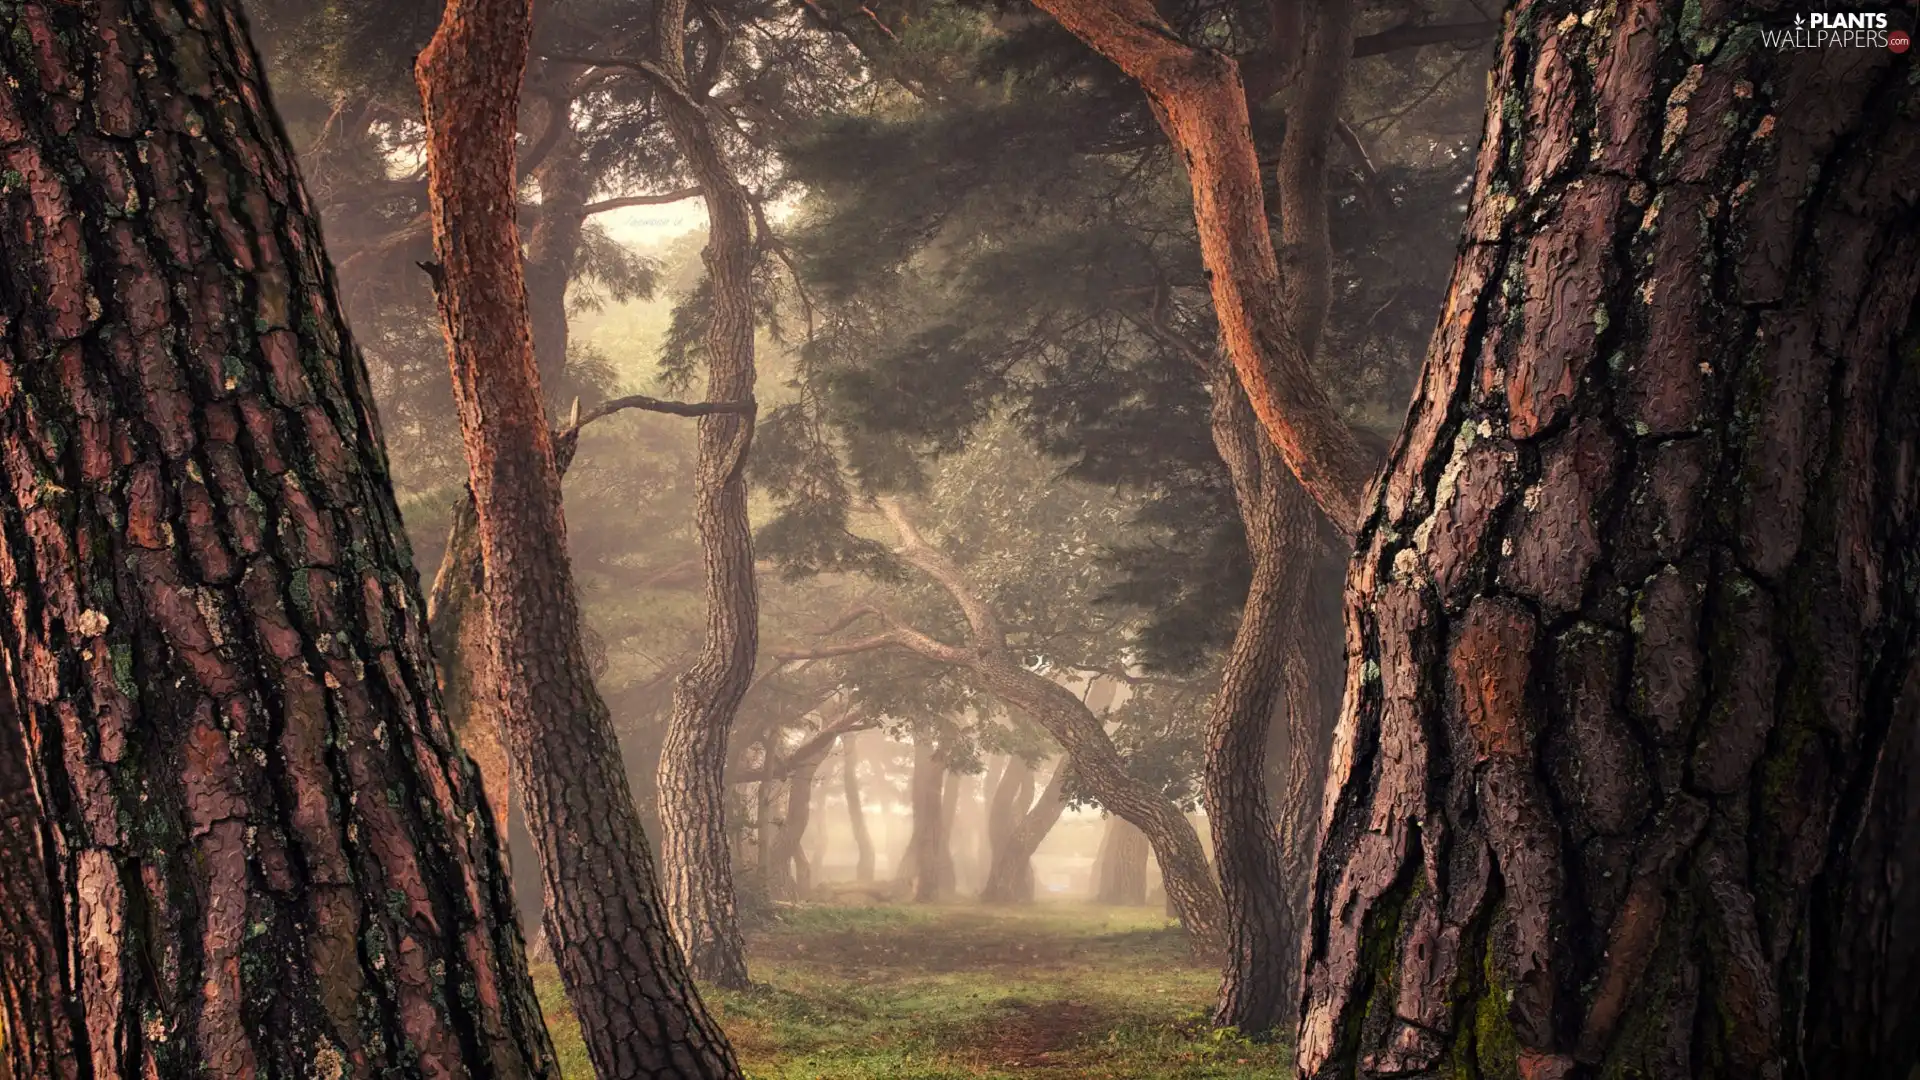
{"type": "Point", "coordinates": [706, 698]}
{"type": "Point", "coordinates": [261, 848]}
{"type": "Point", "coordinates": [639, 1012]}
{"type": "Point", "coordinates": [1197, 94]}
{"type": "Point", "coordinates": [1624, 782]}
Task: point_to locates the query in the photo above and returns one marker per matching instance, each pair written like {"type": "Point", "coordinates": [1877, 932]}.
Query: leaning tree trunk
{"type": "Point", "coordinates": [1624, 782]}
{"type": "Point", "coordinates": [1120, 868]}
{"type": "Point", "coordinates": [259, 848]}
{"type": "Point", "coordinates": [693, 834]}
{"type": "Point", "coordinates": [1262, 939]}
{"type": "Point", "coordinates": [639, 1011]}
{"type": "Point", "coordinates": [856, 813]}
{"type": "Point", "coordinates": [1010, 879]}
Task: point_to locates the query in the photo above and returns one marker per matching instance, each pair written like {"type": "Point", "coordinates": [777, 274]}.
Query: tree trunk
{"type": "Point", "coordinates": [1262, 940]}
{"type": "Point", "coordinates": [952, 782]}
{"type": "Point", "coordinates": [1624, 781]}
{"type": "Point", "coordinates": [788, 858]}
{"type": "Point", "coordinates": [1120, 869]}
{"type": "Point", "coordinates": [856, 813]}
{"type": "Point", "coordinates": [699, 878]}
{"type": "Point", "coordinates": [1010, 881]}
{"type": "Point", "coordinates": [1197, 96]}
{"type": "Point", "coordinates": [36, 1037]}
{"type": "Point", "coordinates": [996, 819]}
{"type": "Point", "coordinates": [639, 1011]}
{"type": "Point", "coordinates": [259, 848]}
{"type": "Point", "coordinates": [928, 863]}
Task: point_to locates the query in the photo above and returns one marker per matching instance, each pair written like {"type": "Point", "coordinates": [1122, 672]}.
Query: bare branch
{"type": "Point", "coordinates": [1413, 37]}
{"type": "Point", "coordinates": [624, 201]}
{"type": "Point", "coordinates": [935, 564]}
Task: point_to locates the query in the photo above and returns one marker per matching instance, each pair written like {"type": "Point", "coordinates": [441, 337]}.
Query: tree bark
{"type": "Point", "coordinates": [639, 1011]}
{"type": "Point", "coordinates": [1262, 938]}
{"type": "Point", "coordinates": [1197, 95]}
{"type": "Point", "coordinates": [1624, 783]}
{"type": "Point", "coordinates": [699, 876]}
{"type": "Point", "coordinates": [1120, 868]}
{"type": "Point", "coordinates": [856, 813]}
{"type": "Point", "coordinates": [260, 849]}
{"type": "Point", "coordinates": [1010, 881]}
{"type": "Point", "coordinates": [36, 1035]}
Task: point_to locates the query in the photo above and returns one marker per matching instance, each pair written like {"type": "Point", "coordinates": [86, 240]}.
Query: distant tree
{"type": "Point", "coordinates": [254, 845]}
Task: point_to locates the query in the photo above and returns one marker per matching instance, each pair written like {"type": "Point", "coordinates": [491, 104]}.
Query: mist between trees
{"type": "Point", "coordinates": [937, 538]}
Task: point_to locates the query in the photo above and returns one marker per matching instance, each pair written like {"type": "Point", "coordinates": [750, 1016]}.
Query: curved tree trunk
{"type": "Point", "coordinates": [1120, 868]}
{"type": "Point", "coordinates": [699, 874]}
{"type": "Point", "coordinates": [1625, 775]}
{"type": "Point", "coordinates": [639, 1011]}
{"type": "Point", "coordinates": [856, 813]}
{"type": "Point", "coordinates": [1010, 880]}
{"type": "Point", "coordinates": [259, 848]}
{"type": "Point", "coordinates": [1261, 668]}
{"type": "Point", "coordinates": [1100, 772]}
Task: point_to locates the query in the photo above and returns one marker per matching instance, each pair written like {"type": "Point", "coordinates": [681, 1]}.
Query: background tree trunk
{"type": "Point", "coordinates": [639, 1011]}
{"type": "Point", "coordinates": [856, 814]}
{"type": "Point", "coordinates": [789, 860]}
{"type": "Point", "coordinates": [699, 876]}
{"type": "Point", "coordinates": [927, 845]}
{"type": "Point", "coordinates": [1260, 670]}
{"type": "Point", "coordinates": [1010, 881]}
{"type": "Point", "coordinates": [212, 636]}
{"type": "Point", "coordinates": [1120, 868]}
{"type": "Point", "coordinates": [1625, 774]}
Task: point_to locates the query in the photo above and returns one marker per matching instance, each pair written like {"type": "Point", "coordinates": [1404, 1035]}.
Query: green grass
{"type": "Point", "coordinates": [932, 993]}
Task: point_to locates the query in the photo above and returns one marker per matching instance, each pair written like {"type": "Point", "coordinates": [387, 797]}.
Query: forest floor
{"type": "Point", "coordinates": [943, 993]}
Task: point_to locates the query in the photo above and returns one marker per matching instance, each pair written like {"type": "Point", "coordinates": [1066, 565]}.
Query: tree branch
{"type": "Point", "coordinates": [624, 201]}
{"type": "Point", "coordinates": [1413, 37]}
{"type": "Point", "coordinates": [935, 564]}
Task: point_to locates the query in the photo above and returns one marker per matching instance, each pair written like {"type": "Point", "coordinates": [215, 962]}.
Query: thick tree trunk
{"type": "Point", "coordinates": [1010, 880]}
{"type": "Point", "coordinates": [856, 813]}
{"type": "Point", "coordinates": [1262, 938]}
{"type": "Point", "coordinates": [1120, 868]}
{"type": "Point", "coordinates": [1625, 779]}
{"type": "Point", "coordinates": [260, 849]}
{"type": "Point", "coordinates": [699, 878]}
{"type": "Point", "coordinates": [36, 1035]}
{"type": "Point", "coordinates": [639, 1011]}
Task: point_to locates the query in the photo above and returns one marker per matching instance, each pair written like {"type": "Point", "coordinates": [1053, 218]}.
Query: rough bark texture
{"type": "Point", "coordinates": [36, 1036]}
{"type": "Point", "coordinates": [1120, 867]}
{"type": "Point", "coordinates": [856, 813]}
{"type": "Point", "coordinates": [1625, 782]}
{"type": "Point", "coordinates": [1197, 95]}
{"type": "Point", "coordinates": [693, 835]}
{"type": "Point", "coordinates": [1010, 881]}
{"type": "Point", "coordinates": [1262, 936]}
{"type": "Point", "coordinates": [262, 850]}
{"type": "Point", "coordinates": [639, 1012]}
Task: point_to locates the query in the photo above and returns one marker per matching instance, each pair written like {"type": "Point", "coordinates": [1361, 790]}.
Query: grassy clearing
{"type": "Point", "coordinates": [932, 993]}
